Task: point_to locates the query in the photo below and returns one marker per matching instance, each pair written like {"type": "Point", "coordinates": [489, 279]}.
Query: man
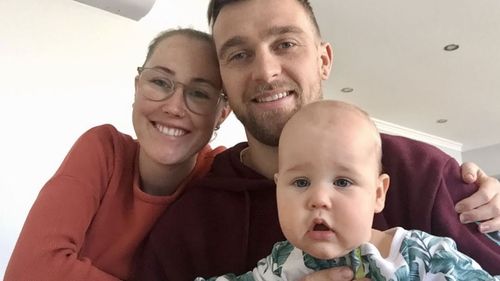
{"type": "Point", "coordinates": [273, 62]}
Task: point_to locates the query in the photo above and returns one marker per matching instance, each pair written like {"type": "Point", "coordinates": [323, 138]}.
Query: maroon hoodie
{"type": "Point", "coordinates": [228, 220]}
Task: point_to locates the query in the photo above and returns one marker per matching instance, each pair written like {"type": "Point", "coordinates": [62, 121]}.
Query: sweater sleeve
{"type": "Point", "coordinates": [425, 186]}
{"type": "Point", "coordinates": [445, 220]}
{"type": "Point", "coordinates": [54, 231]}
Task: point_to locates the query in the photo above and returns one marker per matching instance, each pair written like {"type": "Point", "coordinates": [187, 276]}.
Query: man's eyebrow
{"type": "Point", "coordinates": [234, 41]}
{"type": "Point", "coordinates": [280, 30]}
{"type": "Point", "coordinates": [273, 31]}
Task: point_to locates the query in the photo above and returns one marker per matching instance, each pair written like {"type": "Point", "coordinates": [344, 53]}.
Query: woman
{"type": "Point", "coordinates": [90, 218]}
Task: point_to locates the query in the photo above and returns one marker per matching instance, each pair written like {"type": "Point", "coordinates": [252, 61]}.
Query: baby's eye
{"type": "Point", "coordinates": [342, 182]}
{"type": "Point", "coordinates": [301, 183]}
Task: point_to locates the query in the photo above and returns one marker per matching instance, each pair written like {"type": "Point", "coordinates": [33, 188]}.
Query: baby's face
{"type": "Point", "coordinates": [328, 188]}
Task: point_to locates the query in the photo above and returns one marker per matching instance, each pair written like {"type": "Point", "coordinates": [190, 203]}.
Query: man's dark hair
{"type": "Point", "coordinates": [215, 6]}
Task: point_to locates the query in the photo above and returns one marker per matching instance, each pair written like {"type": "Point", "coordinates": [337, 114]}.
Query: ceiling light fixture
{"type": "Point", "coordinates": [451, 47]}
{"type": "Point", "coordinates": [347, 90]}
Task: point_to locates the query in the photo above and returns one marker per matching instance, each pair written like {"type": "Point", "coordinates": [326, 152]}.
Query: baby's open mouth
{"type": "Point", "coordinates": [321, 227]}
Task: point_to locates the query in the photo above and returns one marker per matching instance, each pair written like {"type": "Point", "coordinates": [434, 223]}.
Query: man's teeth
{"type": "Point", "coordinates": [174, 132]}
{"type": "Point", "coordinates": [273, 97]}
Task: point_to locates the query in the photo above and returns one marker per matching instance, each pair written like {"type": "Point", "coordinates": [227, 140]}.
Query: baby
{"type": "Point", "coordinates": [329, 186]}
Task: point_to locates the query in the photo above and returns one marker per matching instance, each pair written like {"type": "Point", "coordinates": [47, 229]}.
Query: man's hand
{"type": "Point", "coordinates": [484, 205]}
{"type": "Point", "coordinates": [332, 274]}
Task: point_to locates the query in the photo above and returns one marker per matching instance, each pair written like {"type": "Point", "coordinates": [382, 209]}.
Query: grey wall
{"type": "Point", "coordinates": [488, 158]}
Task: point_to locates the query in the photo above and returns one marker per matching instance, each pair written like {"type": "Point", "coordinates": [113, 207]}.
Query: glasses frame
{"type": "Point", "coordinates": [222, 95]}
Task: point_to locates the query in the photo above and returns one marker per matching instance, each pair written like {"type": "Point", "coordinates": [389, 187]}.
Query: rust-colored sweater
{"type": "Point", "coordinates": [91, 217]}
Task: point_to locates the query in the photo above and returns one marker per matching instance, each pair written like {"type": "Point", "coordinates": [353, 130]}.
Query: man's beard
{"type": "Point", "coordinates": [267, 127]}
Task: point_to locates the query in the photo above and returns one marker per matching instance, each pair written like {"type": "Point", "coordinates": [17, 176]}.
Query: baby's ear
{"type": "Point", "coordinates": [382, 187]}
{"type": "Point", "coordinates": [276, 175]}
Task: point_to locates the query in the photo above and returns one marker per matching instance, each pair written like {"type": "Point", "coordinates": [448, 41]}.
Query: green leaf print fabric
{"type": "Point", "coordinates": [414, 256]}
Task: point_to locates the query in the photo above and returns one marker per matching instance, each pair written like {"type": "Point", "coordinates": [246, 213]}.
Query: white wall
{"type": "Point", "coordinates": [488, 158]}
{"type": "Point", "coordinates": [55, 83]}
{"type": "Point", "coordinates": [452, 148]}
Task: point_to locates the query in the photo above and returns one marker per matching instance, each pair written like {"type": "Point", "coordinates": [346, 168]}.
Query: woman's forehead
{"type": "Point", "coordinates": [187, 59]}
{"type": "Point", "coordinates": [182, 47]}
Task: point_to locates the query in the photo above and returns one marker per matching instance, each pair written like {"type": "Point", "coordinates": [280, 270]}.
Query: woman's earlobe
{"type": "Point", "coordinates": [136, 83]}
{"type": "Point", "coordinates": [226, 110]}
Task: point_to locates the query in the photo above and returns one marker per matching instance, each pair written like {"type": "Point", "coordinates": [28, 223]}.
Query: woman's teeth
{"type": "Point", "coordinates": [174, 132]}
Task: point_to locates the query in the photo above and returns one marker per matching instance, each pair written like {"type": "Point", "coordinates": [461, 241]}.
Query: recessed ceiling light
{"type": "Point", "coordinates": [347, 90]}
{"type": "Point", "coordinates": [441, 121]}
{"type": "Point", "coordinates": [451, 47]}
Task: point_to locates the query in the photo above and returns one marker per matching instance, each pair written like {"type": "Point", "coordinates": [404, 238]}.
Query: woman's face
{"type": "Point", "coordinates": [168, 131]}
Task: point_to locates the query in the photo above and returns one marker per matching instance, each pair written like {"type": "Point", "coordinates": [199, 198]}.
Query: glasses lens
{"type": "Point", "coordinates": [156, 85]}
{"type": "Point", "coordinates": [201, 99]}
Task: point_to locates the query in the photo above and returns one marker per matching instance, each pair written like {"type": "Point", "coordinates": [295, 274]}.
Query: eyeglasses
{"type": "Point", "coordinates": [200, 98]}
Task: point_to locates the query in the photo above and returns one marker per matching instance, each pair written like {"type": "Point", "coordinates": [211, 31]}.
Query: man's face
{"type": "Point", "coordinates": [272, 63]}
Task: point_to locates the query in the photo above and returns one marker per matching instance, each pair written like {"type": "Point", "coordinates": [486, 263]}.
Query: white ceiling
{"type": "Point", "coordinates": [391, 53]}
